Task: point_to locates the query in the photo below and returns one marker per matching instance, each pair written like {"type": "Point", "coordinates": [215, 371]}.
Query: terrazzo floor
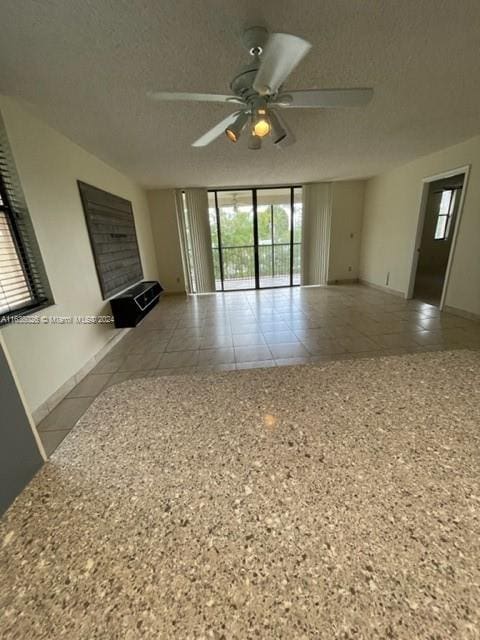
{"type": "Point", "coordinates": [268, 328]}
{"type": "Point", "coordinates": [337, 500]}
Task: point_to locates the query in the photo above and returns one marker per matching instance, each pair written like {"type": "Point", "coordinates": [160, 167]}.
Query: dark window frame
{"type": "Point", "coordinates": [292, 242]}
{"type": "Point", "coordinates": [23, 238]}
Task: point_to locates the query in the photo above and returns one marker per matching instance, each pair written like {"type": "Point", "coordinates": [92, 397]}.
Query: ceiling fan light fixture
{"type": "Point", "coordinates": [254, 142]}
{"type": "Point", "coordinates": [231, 135]}
{"type": "Point", "coordinates": [279, 132]}
{"type": "Point", "coordinates": [234, 131]}
{"type": "Point", "coordinates": [259, 86]}
{"type": "Point", "coordinates": [261, 123]}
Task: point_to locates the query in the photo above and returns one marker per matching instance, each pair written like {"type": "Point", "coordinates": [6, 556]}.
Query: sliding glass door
{"type": "Point", "coordinates": [256, 237]}
{"type": "Point", "coordinates": [274, 229]}
{"type": "Point", "coordinates": [233, 240]}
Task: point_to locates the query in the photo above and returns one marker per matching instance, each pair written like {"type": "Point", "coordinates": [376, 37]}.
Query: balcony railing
{"type": "Point", "coordinates": [273, 263]}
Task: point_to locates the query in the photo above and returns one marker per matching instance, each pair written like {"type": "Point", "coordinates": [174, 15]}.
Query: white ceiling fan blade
{"type": "Point", "coordinates": [217, 131]}
{"type": "Point", "coordinates": [324, 98]}
{"type": "Point", "coordinates": [168, 96]}
{"type": "Point", "coordinates": [282, 54]}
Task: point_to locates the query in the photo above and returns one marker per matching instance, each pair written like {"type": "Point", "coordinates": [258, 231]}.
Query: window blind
{"type": "Point", "coordinates": [23, 281]}
{"type": "Point", "coordinates": [316, 231]}
{"type": "Point", "coordinates": [196, 201]}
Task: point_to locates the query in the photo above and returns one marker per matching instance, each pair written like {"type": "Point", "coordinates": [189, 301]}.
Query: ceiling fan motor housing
{"type": "Point", "coordinates": [241, 85]}
{"type": "Point", "coordinates": [254, 39]}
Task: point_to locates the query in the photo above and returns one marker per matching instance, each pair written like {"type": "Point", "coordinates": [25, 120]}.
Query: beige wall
{"type": "Point", "coordinates": [49, 165]}
{"type": "Point", "coordinates": [392, 203]}
{"type": "Point", "coordinates": [347, 213]}
{"type": "Point", "coordinates": [167, 243]}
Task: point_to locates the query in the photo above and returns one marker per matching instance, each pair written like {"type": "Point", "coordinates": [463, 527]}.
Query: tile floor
{"type": "Point", "coordinates": [239, 330]}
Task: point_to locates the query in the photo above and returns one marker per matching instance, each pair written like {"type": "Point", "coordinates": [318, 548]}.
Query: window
{"type": "Point", "coordinates": [256, 237]}
{"type": "Point", "coordinates": [445, 211]}
{"type": "Point", "coordinates": [23, 282]}
{"type": "Point", "coordinates": [14, 287]}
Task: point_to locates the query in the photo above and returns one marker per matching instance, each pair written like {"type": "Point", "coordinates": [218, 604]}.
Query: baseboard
{"type": "Point", "coordinates": [462, 313]}
{"type": "Point", "coordinates": [313, 286]}
{"type": "Point", "coordinates": [379, 287]}
{"type": "Point", "coordinates": [57, 396]}
{"type": "Point", "coordinates": [344, 281]}
{"type": "Point", "coordinates": [453, 310]}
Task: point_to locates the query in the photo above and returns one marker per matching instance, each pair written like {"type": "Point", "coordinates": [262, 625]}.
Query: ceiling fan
{"type": "Point", "coordinates": [258, 90]}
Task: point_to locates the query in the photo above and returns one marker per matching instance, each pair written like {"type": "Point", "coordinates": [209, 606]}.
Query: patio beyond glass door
{"type": "Point", "coordinates": [233, 241]}
{"type": "Point", "coordinates": [274, 237]}
{"type": "Point", "coordinates": [256, 237]}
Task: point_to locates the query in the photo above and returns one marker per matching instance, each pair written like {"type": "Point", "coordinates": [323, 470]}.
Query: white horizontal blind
{"type": "Point", "coordinates": [15, 291]}
{"type": "Point", "coordinates": [23, 281]}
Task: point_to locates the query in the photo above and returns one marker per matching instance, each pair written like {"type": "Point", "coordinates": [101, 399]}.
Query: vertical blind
{"type": "Point", "coordinates": [316, 227]}
{"type": "Point", "coordinates": [23, 281]}
{"type": "Point", "coordinates": [196, 239]}
{"type": "Point", "coordinates": [184, 246]}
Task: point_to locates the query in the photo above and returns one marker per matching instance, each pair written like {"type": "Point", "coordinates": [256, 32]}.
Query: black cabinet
{"type": "Point", "coordinates": [132, 305]}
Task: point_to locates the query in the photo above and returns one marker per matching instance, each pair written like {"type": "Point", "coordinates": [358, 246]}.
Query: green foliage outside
{"type": "Point", "coordinates": [237, 240]}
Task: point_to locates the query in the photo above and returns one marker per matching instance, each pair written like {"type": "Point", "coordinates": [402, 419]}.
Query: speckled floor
{"type": "Point", "coordinates": [338, 500]}
{"type": "Point", "coordinates": [266, 328]}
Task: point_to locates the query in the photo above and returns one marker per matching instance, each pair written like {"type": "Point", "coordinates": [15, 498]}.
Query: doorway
{"type": "Point", "coordinates": [438, 223]}
{"type": "Point", "coordinates": [256, 237]}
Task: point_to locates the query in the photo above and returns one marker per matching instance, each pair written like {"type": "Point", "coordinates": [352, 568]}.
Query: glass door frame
{"type": "Point", "coordinates": [292, 243]}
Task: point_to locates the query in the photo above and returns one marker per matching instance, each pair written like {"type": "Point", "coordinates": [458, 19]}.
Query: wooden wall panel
{"type": "Point", "coordinates": [111, 227]}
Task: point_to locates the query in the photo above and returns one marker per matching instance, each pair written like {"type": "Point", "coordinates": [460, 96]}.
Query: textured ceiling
{"type": "Point", "coordinates": [85, 67]}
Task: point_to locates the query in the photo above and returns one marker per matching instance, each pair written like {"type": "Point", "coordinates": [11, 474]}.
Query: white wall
{"type": "Point", "coordinates": [49, 166]}
{"type": "Point", "coordinates": [392, 203]}
{"type": "Point", "coordinates": [167, 243]}
{"type": "Point", "coordinates": [346, 226]}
